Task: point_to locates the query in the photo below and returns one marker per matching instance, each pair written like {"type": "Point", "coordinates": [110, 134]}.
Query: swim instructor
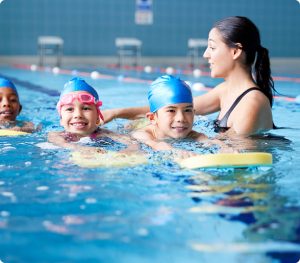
{"type": "Point", "coordinates": [245, 97]}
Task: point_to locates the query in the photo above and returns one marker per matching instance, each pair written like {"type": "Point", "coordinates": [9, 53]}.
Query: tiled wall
{"type": "Point", "coordinates": [89, 27]}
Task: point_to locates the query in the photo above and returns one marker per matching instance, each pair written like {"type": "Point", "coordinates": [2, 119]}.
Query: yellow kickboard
{"type": "Point", "coordinates": [109, 159]}
{"type": "Point", "coordinates": [7, 132]}
{"type": "Point", "coordinates": [227, 160]}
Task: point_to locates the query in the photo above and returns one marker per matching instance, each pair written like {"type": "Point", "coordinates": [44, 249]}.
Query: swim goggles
{"type": "Point", "coordinates": [82, 98]}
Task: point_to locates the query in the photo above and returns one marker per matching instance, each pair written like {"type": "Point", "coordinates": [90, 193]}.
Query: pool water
{"type": "Point", "coordinates": [54, 211]}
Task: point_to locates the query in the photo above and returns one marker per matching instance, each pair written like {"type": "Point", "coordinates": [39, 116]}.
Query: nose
{"type": "Point", "coordinates": [206, 53]}
{"type": "Point", "coordinates": [179, 117]}
{"type": "Point", "coordinates": [77, 113]}
{"type": "Point", "coordinates": [5, 102]}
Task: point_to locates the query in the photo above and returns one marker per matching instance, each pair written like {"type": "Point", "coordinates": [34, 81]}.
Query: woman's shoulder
{"type": "Point", "coordinates": [256, 98]}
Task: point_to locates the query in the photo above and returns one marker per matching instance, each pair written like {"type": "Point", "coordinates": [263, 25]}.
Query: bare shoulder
{"type": "Point", "coordinates": [53, 135]}
{"type": "Point", "coordinates": [197, 136]}
{"type": "Point", "coordinates": [253, 114]}
{"type": "Point", "coordinates": [255, 101]}
{"type": "Point", "coordinates": [143, 133]}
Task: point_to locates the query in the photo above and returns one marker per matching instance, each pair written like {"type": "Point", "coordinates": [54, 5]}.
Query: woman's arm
{"type": "Point", "coordinates": [125, 113]}
{"type": "Point", "coordinates": [209, 102]}
{"type": "Point", "coordinates": [203, 104]}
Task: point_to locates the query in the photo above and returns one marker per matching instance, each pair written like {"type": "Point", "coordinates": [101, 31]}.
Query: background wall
{"type": "Point", "coordinates": [89, 27]}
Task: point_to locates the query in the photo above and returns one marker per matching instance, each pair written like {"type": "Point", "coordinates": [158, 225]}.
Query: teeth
{"type": "Point", "coordinates": [78, 124]}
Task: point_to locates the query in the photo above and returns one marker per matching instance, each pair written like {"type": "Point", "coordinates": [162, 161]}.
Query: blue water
{"type": "Point", "coordinates": [54, 211]}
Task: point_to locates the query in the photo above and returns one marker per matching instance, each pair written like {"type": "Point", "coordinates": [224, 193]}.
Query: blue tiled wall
{"type": "Point", "coordinates": [89, 27]}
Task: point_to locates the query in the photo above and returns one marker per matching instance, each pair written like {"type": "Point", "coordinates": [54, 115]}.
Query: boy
{"type": "Point", "coordinates": [10, 108]}
{"type": "Point", "coordinates": [171, 114]}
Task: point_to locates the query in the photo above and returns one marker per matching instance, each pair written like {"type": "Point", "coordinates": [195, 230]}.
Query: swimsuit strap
{"type": "Point", "coordinates": [223, 122]}
{"type": "Point", "coordinates": [94, 135]}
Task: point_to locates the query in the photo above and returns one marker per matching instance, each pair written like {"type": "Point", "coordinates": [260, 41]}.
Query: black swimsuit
{"type": "Point", "coordinates": [221, 125]}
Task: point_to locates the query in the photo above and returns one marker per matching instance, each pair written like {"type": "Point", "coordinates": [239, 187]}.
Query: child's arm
{"type": "Point", "coordinates": [145, 136]}
{"type": "Point", "coordinates": [26, 127]}
{"type": "Point", "coordinates": [58, 139]}
{"type": "Point", "coordinates": [224, 148]}
{"type": "Point", "coordinates": [125, 113]}
{"type": "Point", "coordinates": [131, 144]}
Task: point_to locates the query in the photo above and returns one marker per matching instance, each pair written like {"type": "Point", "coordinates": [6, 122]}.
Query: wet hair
{"type": "Point", "coordinates": [237, 30]}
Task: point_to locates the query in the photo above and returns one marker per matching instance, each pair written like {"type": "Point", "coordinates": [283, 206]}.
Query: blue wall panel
{"type": "Point", "coordinates": [89, 27]}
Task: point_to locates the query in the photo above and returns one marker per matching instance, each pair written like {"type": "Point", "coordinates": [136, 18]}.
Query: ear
{"type": "Point", "coordinates": [20, 109]}
{"type": "Point", "coordinates": [151, 117]}
{"type": "Point", "coordinates": [237, 51]}
{"type": "Point", "coordinates": [99, 122]}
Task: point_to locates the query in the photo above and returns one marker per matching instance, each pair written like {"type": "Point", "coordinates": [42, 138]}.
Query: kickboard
{"type": "Point", "coordinates": [109, 159]}
{"type": "Point", "coordinates": [7, 132]}
{"type": "Point", "coordinates": [227, 160]}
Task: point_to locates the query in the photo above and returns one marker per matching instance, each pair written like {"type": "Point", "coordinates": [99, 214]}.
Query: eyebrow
{"type": "Point", "coordinates": [174, 107]}
{"type": "Point", "coordinates": [9, 94]}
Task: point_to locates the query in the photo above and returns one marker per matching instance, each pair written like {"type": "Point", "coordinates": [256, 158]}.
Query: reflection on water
{"type": "Point", "coordinates": [251, 197]}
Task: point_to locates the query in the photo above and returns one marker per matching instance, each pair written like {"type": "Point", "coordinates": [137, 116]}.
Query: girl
{"type": "Point", "coordinates": [80, 115]}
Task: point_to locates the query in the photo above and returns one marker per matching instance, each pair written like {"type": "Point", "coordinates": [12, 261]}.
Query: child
{"type": "Point", "coordinates": [78, 107]}
{"type": "Point", "coordinates": [171, 114]}
{"type": "Point", "coordinates": [10, 108]}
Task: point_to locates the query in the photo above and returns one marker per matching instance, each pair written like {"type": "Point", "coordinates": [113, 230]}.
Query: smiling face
{"type": "Point", "coordinates": [174, 121]}
{"type": "Point", "coordinates": [79, 118]}
{"type": "Point", "coordinates": [9, 104]}
{"type": "Point", "coordinates": [219, 55]}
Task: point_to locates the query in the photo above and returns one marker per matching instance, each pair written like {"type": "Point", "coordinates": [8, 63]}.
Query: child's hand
{"type": "Point", "coordinates": [90, 151]}
{"type": "Point", "coordinates": [178, 154]}
{"type": "Point", "coordinates": [16, 128]}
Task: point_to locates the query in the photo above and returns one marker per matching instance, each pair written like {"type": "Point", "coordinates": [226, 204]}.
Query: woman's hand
{"type": "Point", "coordinates": [109, 115]}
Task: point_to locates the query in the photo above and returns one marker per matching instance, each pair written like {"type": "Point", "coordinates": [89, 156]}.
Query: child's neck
{"type": "Point", "coordinates": [5, 124]}
{"type": "Point", "coordinates": [157, 135]}
{"type": "Point", "coordinates": [73, 137]}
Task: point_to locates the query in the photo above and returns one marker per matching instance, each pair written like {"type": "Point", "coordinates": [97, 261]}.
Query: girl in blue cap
{"type": "Point", "coordinates": [10, 108]}
{"type": "Point", "coordinates": [80, 116]}
{"type": "Point", "coordinates": [171, 114]}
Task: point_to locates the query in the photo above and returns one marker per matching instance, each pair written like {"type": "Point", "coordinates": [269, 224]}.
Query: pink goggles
{"type": "Point", "coordinates": [82, 98]}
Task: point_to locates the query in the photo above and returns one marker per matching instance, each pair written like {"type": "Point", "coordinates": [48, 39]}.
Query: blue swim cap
{"type": "Point", "coordinates": [78, 84]}
{"type": "Point", "coordinates": [5, 83]}
{"type": "Point", "coordinates": [167, 90]}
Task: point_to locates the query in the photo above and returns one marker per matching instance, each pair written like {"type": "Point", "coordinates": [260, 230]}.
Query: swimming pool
{"type": "Point", "coordinates": [54, 211]}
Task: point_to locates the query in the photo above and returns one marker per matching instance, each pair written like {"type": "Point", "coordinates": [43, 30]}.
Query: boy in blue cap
{"type": "Point", "coordinates": [10, 108]}
{"type": "Point", "coordinates": [171, 114]}
{"type": "Point", "coordinates": [80, 115]}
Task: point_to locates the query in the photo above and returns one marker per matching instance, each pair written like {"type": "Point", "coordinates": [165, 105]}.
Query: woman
{"type": "Point", "coordinates": [244, 99]}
